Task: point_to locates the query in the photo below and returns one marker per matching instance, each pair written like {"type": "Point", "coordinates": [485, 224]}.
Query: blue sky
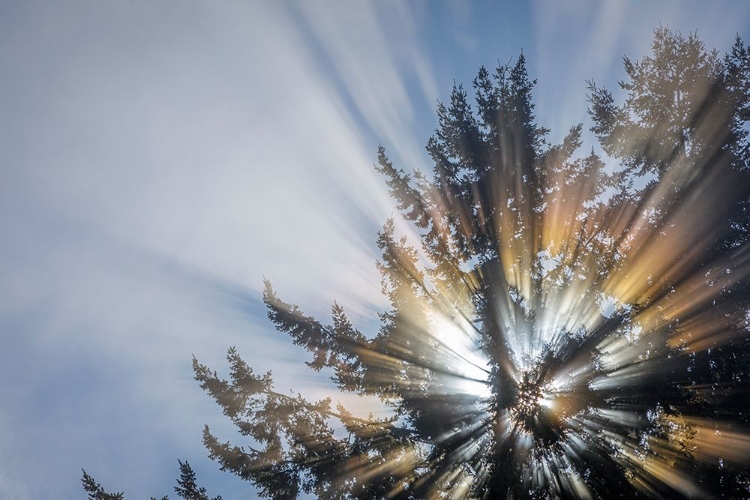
{"type": "Point", "coordinates": [159, 158]}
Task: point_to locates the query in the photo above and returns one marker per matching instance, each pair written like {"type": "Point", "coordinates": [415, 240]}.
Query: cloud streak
{"type": "Point", "coordinates": [158, 159]}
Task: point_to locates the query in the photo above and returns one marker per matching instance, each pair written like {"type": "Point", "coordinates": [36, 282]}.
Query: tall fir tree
{"type": "Point", "coordinates": [573, 335]}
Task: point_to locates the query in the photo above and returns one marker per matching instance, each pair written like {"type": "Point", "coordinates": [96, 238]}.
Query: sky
{"type": "Point", "coordinates": [159, 159]}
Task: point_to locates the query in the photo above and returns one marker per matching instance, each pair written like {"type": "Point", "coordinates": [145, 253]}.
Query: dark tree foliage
{"type": "Point", "coordinates": [187, 487]}
{"type": "Point", "coordinates": [95, 490]}
{"type": "Point", "coordinates": [580, 329]}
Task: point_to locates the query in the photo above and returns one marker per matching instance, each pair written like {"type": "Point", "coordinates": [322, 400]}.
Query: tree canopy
{"type": "Point", "coordinates": [569, 326]}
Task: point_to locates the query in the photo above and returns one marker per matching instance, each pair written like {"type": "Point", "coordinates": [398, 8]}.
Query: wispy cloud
{"type": "Point", "coordinates": [157, 164]}
{"type": "Point", "coordinates": [158, 159]}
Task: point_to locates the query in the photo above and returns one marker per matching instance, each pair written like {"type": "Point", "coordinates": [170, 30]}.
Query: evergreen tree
{"type": "Point", "coordinates": [187, 487]}
{"type": "Point", "coordinates": [96, 491]}
{"type": "Point", "coordinates": [562, 341]}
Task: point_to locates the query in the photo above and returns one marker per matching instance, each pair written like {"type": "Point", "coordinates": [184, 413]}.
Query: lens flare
{"type": "Point", "coordinates": [569, 337]}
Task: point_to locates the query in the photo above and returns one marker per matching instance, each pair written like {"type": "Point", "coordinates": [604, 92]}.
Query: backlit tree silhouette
{"type": "Point", "coordinates": [569, 326]}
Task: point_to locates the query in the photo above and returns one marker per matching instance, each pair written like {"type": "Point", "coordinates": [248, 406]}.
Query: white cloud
{"type": "Point", "coordinates": [164, 160]}
{"type": "Point", "coordinates": [158, 159]}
